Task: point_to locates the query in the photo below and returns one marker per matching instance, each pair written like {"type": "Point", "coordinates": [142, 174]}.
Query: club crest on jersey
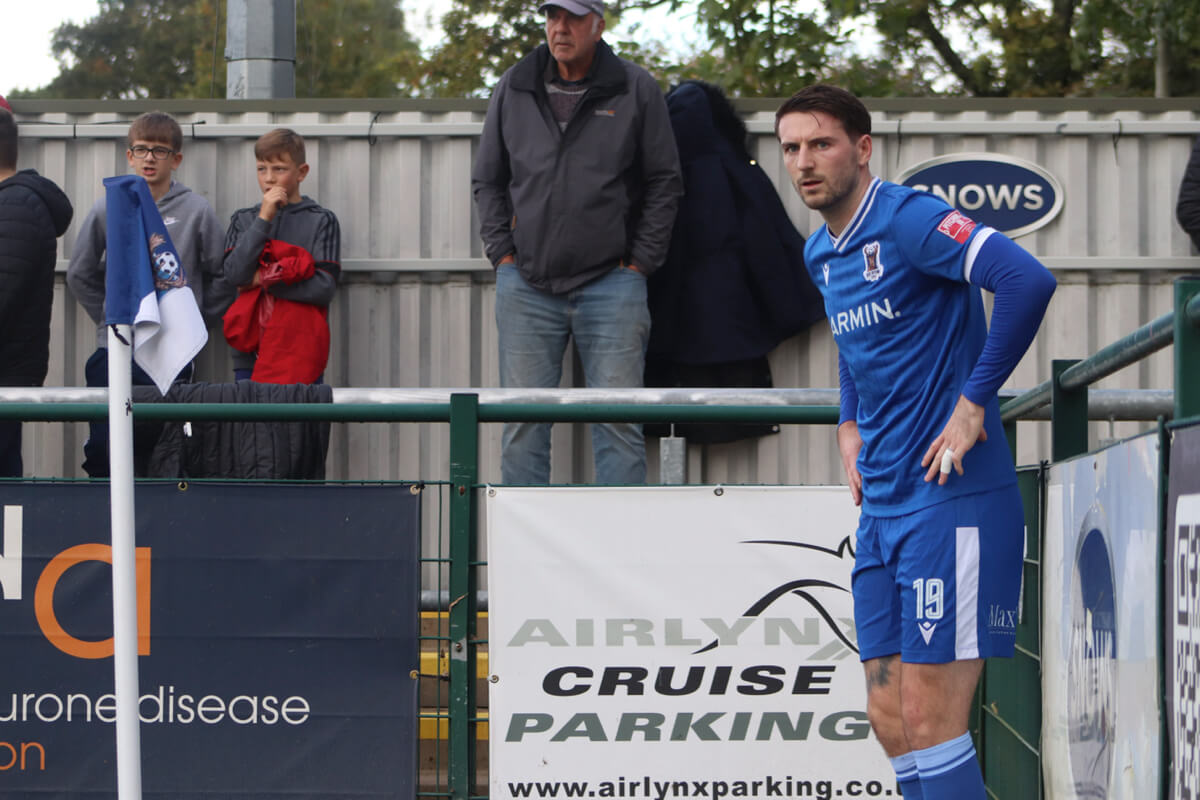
{"type": "Point", "coordinates": [956, 226]}
{"type": "Point", "coordinates": [874, 268]}
{"type": "Point", "coordinates": [825, 270]}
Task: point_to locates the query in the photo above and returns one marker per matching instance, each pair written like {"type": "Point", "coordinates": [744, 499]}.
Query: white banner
{"type": "Point", "coordinates": [676, 642]}
{"type": "Point", "coordinates": [1185, 649]}
{"type": "Point", "coordinates": [1100, 693]}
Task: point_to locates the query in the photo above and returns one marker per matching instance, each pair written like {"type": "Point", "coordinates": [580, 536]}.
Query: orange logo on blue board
{"type": "Point", "coordinates": [11, 588]}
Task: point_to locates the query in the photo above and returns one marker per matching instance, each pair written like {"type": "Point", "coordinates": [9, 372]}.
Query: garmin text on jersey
{"type": "Point", "coordinates": [863, 316]}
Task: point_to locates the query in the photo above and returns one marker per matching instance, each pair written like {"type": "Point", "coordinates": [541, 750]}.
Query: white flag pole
{"type": "Point", "coordinates": [124, 562]}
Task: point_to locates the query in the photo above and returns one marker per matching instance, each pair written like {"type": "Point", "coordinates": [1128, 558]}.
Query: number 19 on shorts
{"type": "Point", "coordinates": [930, 594]}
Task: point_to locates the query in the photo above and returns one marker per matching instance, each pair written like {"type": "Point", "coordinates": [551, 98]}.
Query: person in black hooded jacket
{"type": "Point", "coordinates": [34, 212]}
{"type": "Point", "coordinates": [1187, 209]}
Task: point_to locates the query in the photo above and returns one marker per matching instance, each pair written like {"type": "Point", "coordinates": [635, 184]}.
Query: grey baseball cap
{"type": "Point", "coordinates": [580, 7]}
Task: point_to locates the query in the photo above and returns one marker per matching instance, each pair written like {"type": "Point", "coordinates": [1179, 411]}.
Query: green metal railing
{"type": "Point", "coordinates": [1181, 327]}
{"type": "Point", "coordinates": [1067, 393]}
{"type": "Point", "coordinates": [1009, 688]}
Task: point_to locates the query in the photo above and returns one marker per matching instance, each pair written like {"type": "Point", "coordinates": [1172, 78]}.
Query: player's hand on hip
{"type": "Point", "coordinates": [947, 451]}
{"type": "Point", "coordinates": [849, 443]}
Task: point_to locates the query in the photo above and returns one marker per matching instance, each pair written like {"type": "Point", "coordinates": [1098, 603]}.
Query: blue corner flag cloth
{"type": "Point", "coordinates": [146, 283]}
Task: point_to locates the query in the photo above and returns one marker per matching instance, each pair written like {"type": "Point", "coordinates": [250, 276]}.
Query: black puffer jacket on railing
{"type": "Point", "coordinates": [265, 450]}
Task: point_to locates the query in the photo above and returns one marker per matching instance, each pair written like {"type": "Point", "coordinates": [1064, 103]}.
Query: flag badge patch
{"type": "Point", "coordinates": [957, 226]}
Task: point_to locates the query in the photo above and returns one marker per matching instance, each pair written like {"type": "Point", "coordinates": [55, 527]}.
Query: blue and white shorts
{"type": "Point", "coordinates": [941, 584]}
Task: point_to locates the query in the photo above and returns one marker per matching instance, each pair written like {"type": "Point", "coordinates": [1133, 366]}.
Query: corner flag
{"type": "Point", "coordinates": [146, 285]}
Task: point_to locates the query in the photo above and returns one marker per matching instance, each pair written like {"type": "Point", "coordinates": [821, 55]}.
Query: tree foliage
{"type": "Point", "coordinates": [354, 48]}
{"type": "Point", "coordinates": [175, 48]}
{"type": "Point", "coordinates": [1050, 48]}
{"type": "Point", "coordinates": [362, 48]}
{"type": "Point", "coordinates": [483, 38]}
{"type": "Point", "coordinates": [130, 49]}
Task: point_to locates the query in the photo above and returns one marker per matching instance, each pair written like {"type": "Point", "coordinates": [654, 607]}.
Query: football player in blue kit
{"type": "Point", "coordinates": [941, 533]}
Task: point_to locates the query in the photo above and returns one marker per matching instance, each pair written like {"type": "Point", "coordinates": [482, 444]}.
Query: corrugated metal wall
{"type": "Point", "coordinates": [415, 307]}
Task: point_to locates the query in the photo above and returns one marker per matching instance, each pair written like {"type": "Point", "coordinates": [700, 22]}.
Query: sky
{"type": "Point", "coordinates": [25, 58]}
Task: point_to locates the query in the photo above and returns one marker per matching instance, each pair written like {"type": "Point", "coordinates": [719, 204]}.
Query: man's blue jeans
{"type": "Point", "coordinates": [610, 323]}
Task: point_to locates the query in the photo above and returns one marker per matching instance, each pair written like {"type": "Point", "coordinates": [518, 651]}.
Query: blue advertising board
{"type": "Point", "coordinates": [277, 638]}
{"type": "Point", "coordinates": [1009, 194]}
{"type": "Point", "coordinates": [1101, 656]}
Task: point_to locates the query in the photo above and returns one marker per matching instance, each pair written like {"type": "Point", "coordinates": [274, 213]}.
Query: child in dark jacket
{"type": "Point", "coordinates": [283, 255]}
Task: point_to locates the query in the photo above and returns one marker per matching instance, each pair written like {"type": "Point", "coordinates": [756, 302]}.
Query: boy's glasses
{"type": "Point", "coordinates": [141, 151]}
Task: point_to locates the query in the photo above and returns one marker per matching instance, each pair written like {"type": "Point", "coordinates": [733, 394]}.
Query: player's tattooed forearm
{"type": "Point", "coordinates": [879, 671]}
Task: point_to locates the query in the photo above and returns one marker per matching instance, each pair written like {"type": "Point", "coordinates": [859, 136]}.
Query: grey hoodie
{"type": "Point", "coordinates": [196, 234]}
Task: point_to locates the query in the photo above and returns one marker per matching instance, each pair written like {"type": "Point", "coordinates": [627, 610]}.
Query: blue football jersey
{"type": "Point", "coordinates": [910, 328]}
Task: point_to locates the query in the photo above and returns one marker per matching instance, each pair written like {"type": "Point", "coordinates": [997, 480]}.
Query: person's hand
{"type": "Point", "coordinates": [849, 443]}
{"type": "Point", "coordinates": [255, 280]}
{"type": "Point", "coordinates": [635, 268]}
{"type": "Point", "coordinates": [508, 259]}
{"type": "Point", "coordinates": [274, 199]}
{"type": "Point", "coordinates": [964, 429]}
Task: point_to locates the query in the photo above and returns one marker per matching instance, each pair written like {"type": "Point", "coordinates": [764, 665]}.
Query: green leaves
{"type": "Point", "coordinates": [752, 48]}
{"type": "Point", "coordinates": [175, 49]}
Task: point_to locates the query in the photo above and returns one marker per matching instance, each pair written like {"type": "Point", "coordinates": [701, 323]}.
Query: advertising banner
{"type": "Point", "coordinates": [277, 632]}
{"type": "Point", "coordinates": [1183, 612]}
{"type": "Point", "coordinates": [676, 642]}
{"type": "Point", "coordinates": [1100, 697]}
{"type": "Point", "coordinates": [1010, 194]}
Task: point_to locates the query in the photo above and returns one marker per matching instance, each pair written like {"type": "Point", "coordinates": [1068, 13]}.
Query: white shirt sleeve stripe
{"type": "Point", "coordinates": [973, 251]}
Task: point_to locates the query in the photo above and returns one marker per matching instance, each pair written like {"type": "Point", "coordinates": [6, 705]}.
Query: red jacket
{"type": "Point", "coordinates": [291, 339]}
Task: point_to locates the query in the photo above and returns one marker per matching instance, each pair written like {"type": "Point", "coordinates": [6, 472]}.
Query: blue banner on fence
{"type": "Point", "coordinates": [277, 637]}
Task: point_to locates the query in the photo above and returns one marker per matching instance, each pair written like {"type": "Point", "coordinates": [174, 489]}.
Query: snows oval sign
{"type": "Point", "coordinates": [1009, 194]}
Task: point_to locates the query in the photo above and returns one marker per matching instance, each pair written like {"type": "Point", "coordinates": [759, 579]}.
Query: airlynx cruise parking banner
{"type": "Point", "coordinates": [277, 633]}
{"type": "Point", "coordinates": [676, 642]}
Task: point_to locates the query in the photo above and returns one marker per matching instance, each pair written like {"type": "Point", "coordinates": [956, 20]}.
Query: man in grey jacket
{"type": "Point", "coordinates": [577, 182]}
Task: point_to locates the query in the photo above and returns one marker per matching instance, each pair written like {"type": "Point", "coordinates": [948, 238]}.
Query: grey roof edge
{"type": "Point", "coordinates": [446, 104]}
{"type": "Point", "coordinates": [1001, 104]}
{"type": "Point", "coordinates": [330, 105]}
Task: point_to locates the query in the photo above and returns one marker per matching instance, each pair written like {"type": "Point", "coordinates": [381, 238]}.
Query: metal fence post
{"type": "Point", "coordinates": [464, 474]}
{"type": "Point", "coordinates": [1068, 414]}
{"type": "Point", "coordinates": [1187, 351]}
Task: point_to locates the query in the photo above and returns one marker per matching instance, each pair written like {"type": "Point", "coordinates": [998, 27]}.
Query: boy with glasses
{"type": "Point", "coordinates": [155, 151]}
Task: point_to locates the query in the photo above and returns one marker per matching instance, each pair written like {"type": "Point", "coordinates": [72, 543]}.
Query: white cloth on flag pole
{"type": "Point", "coordinates": [146, 283]}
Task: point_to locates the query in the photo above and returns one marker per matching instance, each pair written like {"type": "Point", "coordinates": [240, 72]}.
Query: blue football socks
{"type": "Point", "coordinates": [950, 771]}
{"type": "Point", "coordinates": [908, 777]}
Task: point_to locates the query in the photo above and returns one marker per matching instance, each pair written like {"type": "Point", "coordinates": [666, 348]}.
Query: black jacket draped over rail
{"type": "Point", "coordinates": [734, 283]}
